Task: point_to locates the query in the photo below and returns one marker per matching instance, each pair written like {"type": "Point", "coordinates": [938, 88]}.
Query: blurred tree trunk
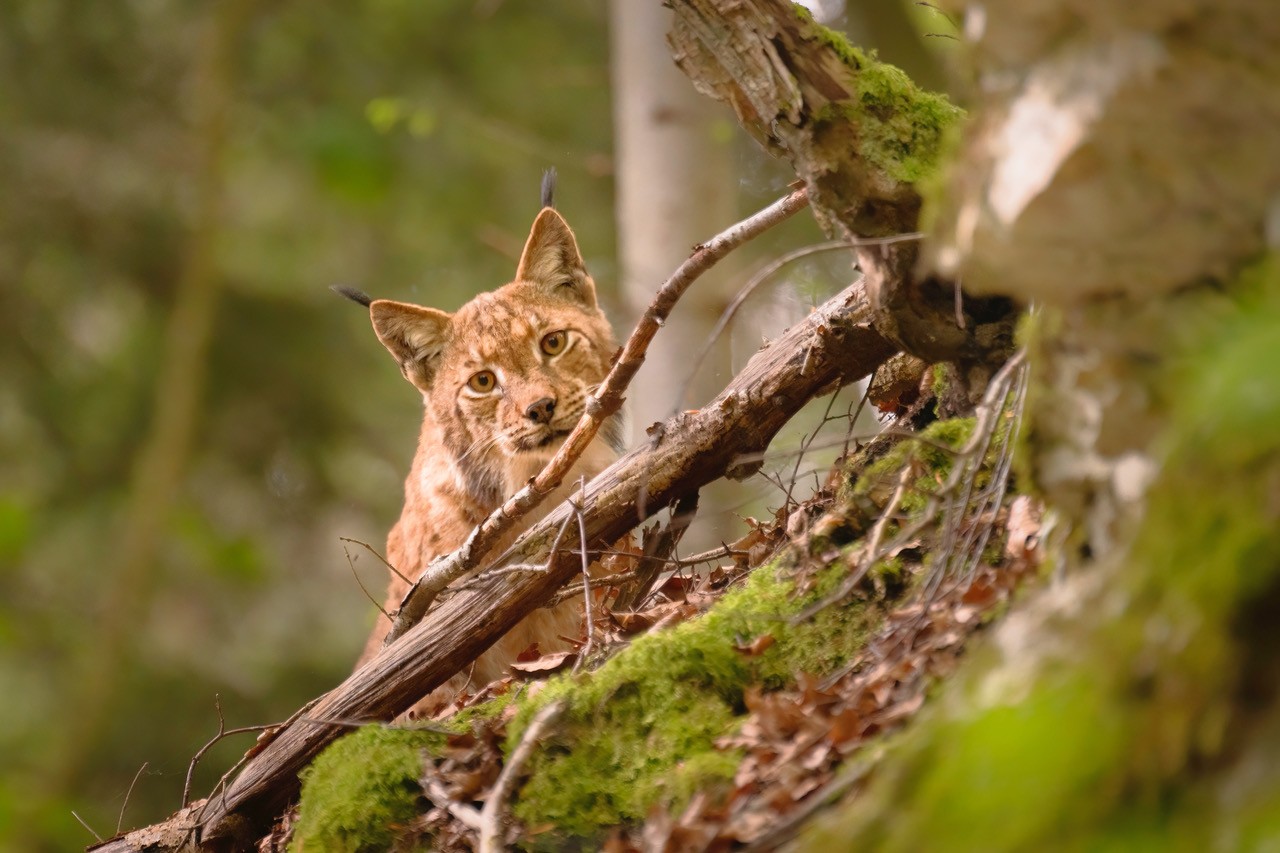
{"type": "Point", "coordinates": [1119, 171]}
{"type": "Point", "coordinates": [163, 454]}
{"type": "Point", "coordinates": [675, 187]}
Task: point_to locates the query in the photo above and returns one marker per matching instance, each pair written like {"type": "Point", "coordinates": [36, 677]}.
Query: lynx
{"type": "Point", "coordinates": [503, 381]}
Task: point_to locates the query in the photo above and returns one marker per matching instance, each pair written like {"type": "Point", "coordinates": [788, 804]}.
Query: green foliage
{"type": "Point", "coordinates": [388, 145]}
{"type": "Point", "coordinates": [361, 789]}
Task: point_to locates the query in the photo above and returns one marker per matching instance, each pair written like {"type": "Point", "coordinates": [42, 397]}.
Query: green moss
{"type": "Point", "coordinates": [849, 55]}
{"type": "Point", "coordinates": [900, 127]}
{"type": "Point", "coordinates": [880, 478]}
{"type": "Point", "coordinates": [642, 729]}
{"type": "Point", "coordinates": [940, 378]}
{"type": "Point", "coordinates": [360, 790]}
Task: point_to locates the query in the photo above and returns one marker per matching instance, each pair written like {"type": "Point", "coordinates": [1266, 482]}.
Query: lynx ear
{"type": "Point", "coordinates": [414, 335]}
{"type": "Point", "coordinates": [551, 259]}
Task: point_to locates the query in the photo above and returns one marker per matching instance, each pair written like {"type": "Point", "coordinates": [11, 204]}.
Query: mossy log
{"type": "Point", "coordinates": [833, 345]}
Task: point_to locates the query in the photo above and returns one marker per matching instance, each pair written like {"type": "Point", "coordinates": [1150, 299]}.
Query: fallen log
{"type": "Point", "coordinates": [833, 346]}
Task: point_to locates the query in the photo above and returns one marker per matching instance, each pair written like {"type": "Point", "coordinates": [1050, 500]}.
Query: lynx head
{"type": "Point", "coordinates": [506, 377]}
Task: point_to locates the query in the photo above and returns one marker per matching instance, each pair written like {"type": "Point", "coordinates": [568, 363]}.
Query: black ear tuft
{"type": "Point", "coordinates": [549, 187]}
{"type": "Point", "coordinates": [351, 293]}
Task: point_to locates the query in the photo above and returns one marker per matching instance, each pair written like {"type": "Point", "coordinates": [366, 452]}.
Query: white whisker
{"type": "Point", "coordinates": [480, 444]}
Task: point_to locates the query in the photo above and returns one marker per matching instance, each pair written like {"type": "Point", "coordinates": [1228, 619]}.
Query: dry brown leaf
{"type": "Point", "coordinates": [546, 664]}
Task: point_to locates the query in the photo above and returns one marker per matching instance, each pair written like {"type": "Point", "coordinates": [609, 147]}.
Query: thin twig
{"type": "Point", "coordinates": [787, 828]}
{"type": "Point", "coordinates": [491, 815]}
{"type": "Point", "coordinates": [268, 734]}
{"type": "Point", "coordinates": [469, 816]}
{"type": "Point", "coordinates": [775, 455]}
{"type": "Point", "coordinates": [374, 551]}
{"type": "Point", "coordinates": [586, 573]}
{"type": "Point", "coordinates": [127, 795]}
{"type": "Point", "coordinates": [854, 414]}
{"type": "Point", "coordinates": [535, 567]}
{"type": "Point", "coordinates": [760, 277]}
{"type": "Point", "coordinates": [710, 556]}
{"type": "Point", "coordinates": [351, 564]}
{"type": "Point", "coordinates": [82, 822]}
{"type": "Point", "coordinates": [601, 406]}
{"type": "Point", "coordinates": [223, 732]}
{"type": "Point", "coordinates": [870, 554]}
{"type": "Point", "coordinates": [574, 590]}
{"type": "Point", "coordinates": [808, 440]}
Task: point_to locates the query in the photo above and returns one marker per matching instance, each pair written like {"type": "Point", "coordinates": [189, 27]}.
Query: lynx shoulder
{"type": "Point", "coordinates": [503, 380]}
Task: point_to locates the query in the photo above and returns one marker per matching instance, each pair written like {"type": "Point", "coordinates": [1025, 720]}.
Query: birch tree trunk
{"type": "Point", "coordinates": [674, 187]}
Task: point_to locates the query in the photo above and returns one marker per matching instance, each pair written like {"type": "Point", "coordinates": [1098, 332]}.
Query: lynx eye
{"type": "Point", "coordinates": [483, 382]}
{"type": "Point", "coordinates": [553, 342]}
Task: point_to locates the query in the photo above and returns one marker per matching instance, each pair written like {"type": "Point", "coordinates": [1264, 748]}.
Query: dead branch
{"type": "Point", "coordinates": [223, 732]}
{"type": "Point", "coordinates": [467, 815]}
{"type": "Point", "coordinates": [586, 577]}
{"type": "Point", "coordinates": [85, 824]}
{"type": "Point", "coordinates": [127, 796]}
{"type": "Point", "coordinates": [697, 447]}
{"type": "Point", "coordinates": [375, 552]}
{"type": "Point", "coordinates": [656, 556]}
{"type": "Point", "coordinates": [491, 816]}
{"type": "Point", "coordinates": [799, 97]}
{"type": "Point", "coordinates": [606, 402]}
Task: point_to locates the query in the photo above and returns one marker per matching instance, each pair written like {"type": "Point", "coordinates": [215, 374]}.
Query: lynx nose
{"type": "Point", "coordinates": [541, 411]}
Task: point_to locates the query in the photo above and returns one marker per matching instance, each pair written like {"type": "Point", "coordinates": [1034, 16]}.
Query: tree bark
{"type": "Point", "coordinates": [1121, 172]}
{"type": "Point", "coordinates": [834, 345]}
{"type": "Point", "coordinates": [861, 136]}
{"type": "Point", "coordinates": [674, 186]}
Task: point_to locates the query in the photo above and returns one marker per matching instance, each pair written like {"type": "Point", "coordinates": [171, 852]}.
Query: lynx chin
{"type": "Point", "coordinates": [503, 381]}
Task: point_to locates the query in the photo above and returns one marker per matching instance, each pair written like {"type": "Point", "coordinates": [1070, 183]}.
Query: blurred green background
{"type": "Point", "coordinates": [189, 419]}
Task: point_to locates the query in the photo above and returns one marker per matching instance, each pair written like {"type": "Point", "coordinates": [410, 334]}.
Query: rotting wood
{"type": "Point", "coordinates": [801, 97]}
{"type": "Point", "coordinates": [697, 447]}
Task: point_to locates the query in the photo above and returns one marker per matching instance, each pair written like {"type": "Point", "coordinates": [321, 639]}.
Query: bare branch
{"type": "Point", "coordinates": [351, 564]}
{"type": "Point", "coordinates": [223, 732]}
{"type": "Point", "coordinates": [761, 276]}
{"type": "Point", "coordinates": [467, 815]}
{"type": "Point", "coordinates": [491, 816]}
{"type": "Point", "coordinates": [586, 575]}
